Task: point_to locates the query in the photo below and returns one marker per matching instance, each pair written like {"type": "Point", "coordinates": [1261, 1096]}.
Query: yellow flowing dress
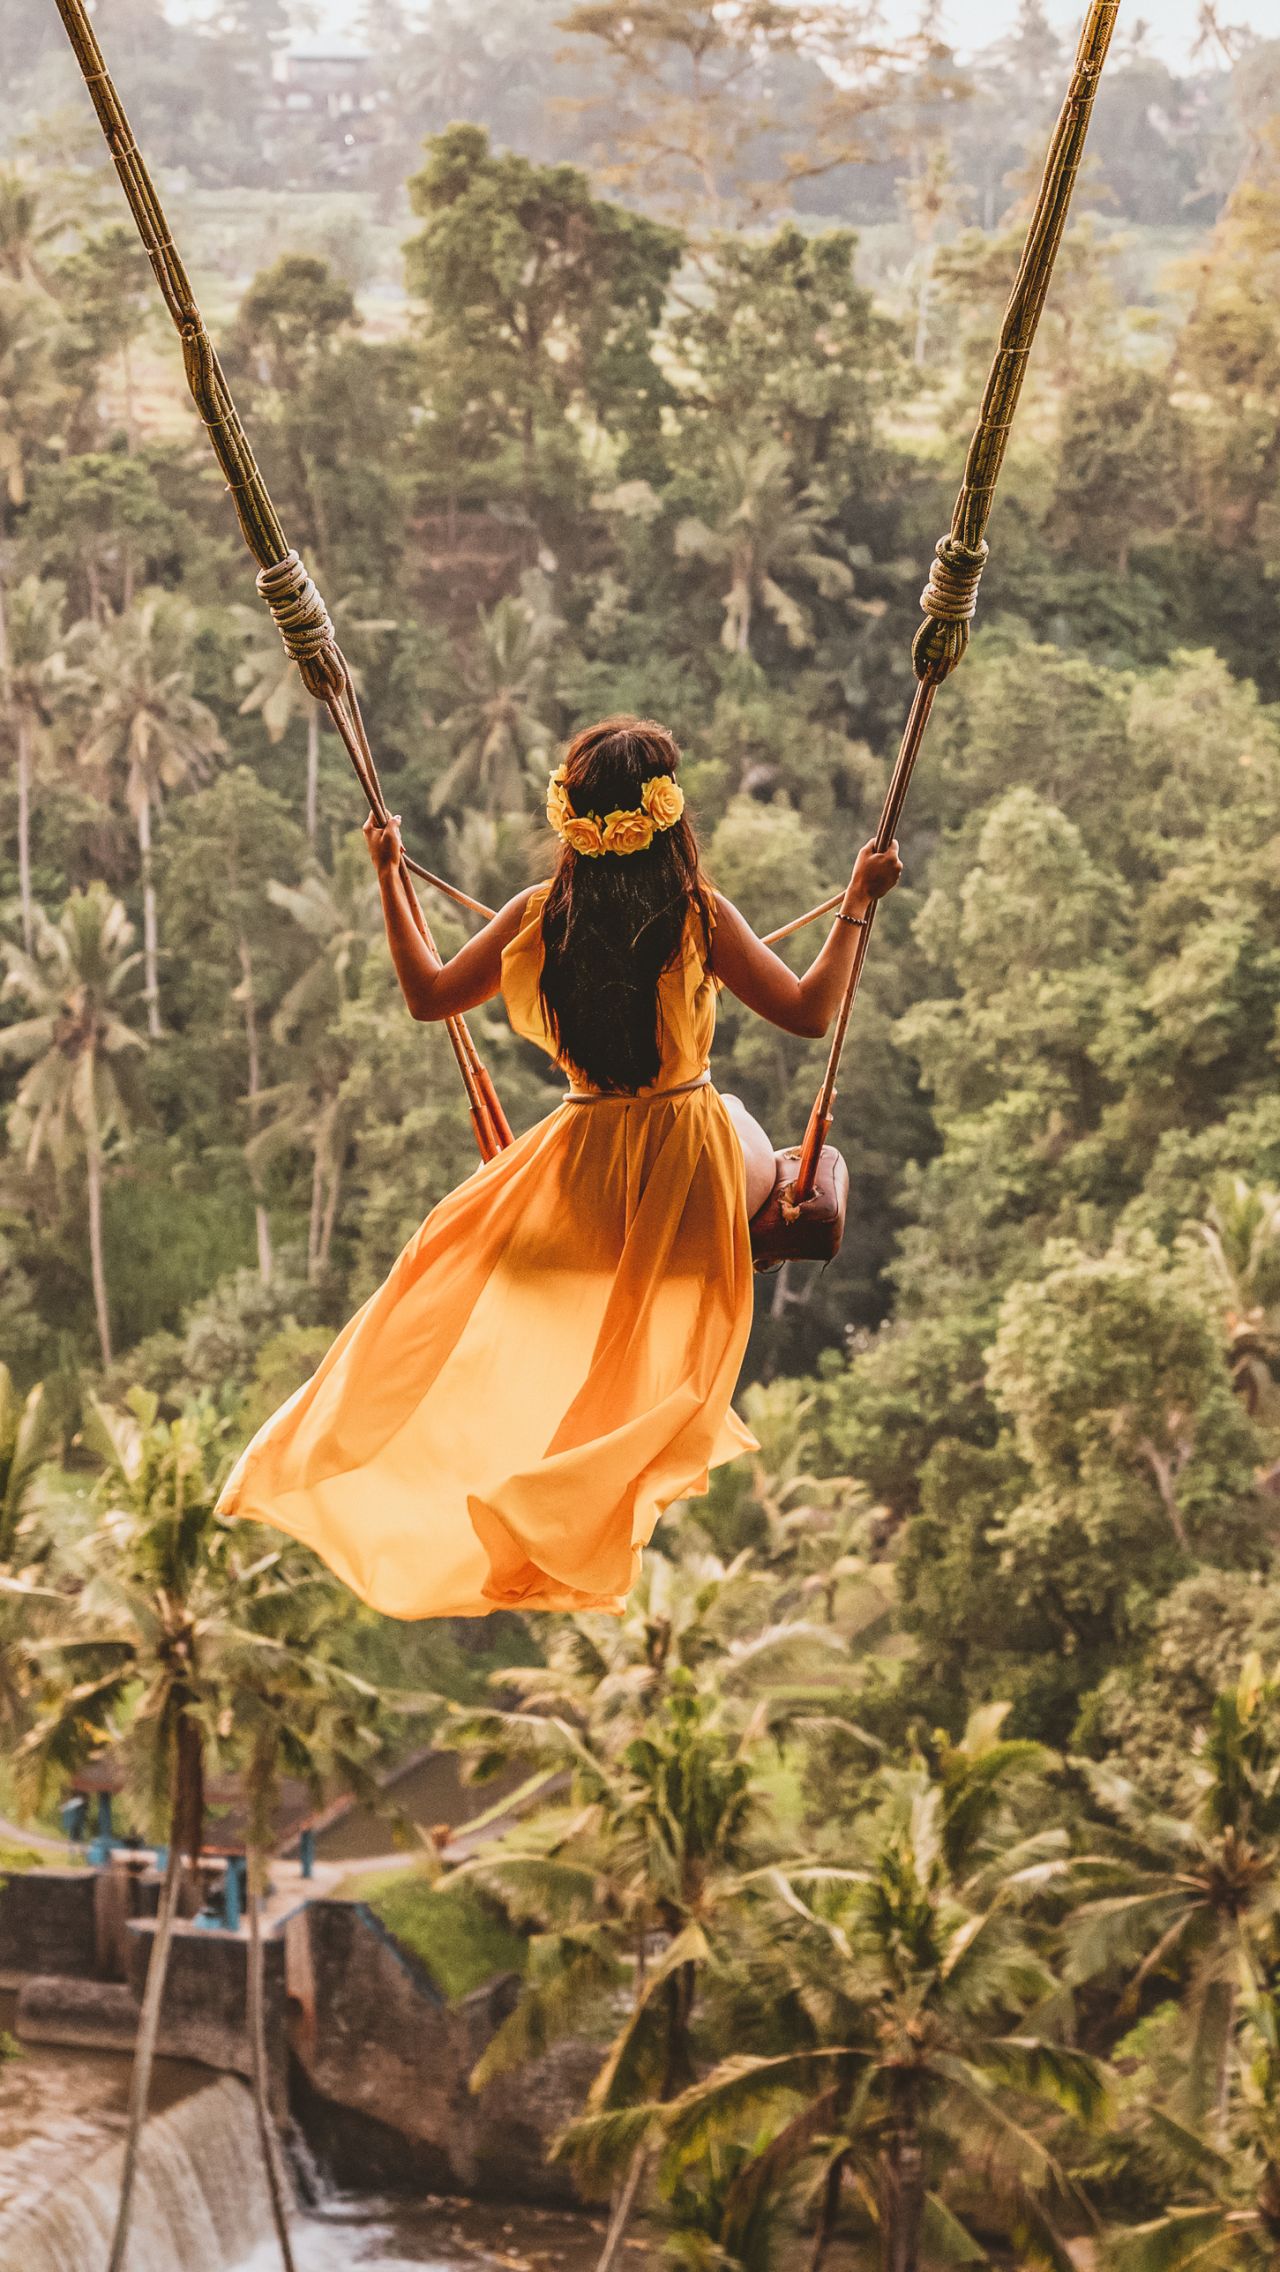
{"type": "Point", "coordinates": [551, 1361]}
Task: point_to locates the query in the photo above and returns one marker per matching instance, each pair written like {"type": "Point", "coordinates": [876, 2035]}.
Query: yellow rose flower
{"type": "Point", "coordinates": [582, 836]}
{"type": "Point", "coordinates": [663, 800]}
{"type": "Point", "coordinates": [627, 832]}
{"type": "Point", "coordinates": [559, 809]}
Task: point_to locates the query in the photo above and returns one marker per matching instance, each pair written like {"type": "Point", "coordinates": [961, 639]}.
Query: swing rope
{"type": "Point", "coordinates": [950, 598]}
{"type": "Point", "coordinates": [297, 608]}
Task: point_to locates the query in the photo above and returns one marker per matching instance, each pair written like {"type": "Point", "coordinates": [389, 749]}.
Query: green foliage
{"type": "Point", "coordinates": [458, 1936]}
{"type": "Point", "coordinates": [855, 1949]}
{"type": "Point", "coordinates": [540, 300]}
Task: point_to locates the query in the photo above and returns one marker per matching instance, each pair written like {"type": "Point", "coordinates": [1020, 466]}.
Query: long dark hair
{"type": "Point", "coordinates": [613, 923]}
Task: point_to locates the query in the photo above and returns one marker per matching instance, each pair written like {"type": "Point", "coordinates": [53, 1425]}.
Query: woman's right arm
{"type": "Point", "coordinates": [761, 979]}
{"type": "Point", "coordinates": [432, 989]}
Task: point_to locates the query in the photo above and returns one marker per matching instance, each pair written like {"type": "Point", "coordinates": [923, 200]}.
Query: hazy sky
{"type": "Point", "coordinates": [968, 22]}
{"type": "Point", "coordinates": [1172, 21]}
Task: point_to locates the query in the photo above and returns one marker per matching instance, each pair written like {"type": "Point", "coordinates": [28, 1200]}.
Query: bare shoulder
{"type": "Point", "coordinates": [511, 919]}
{"type": "Point", "coordinates": [731, 934]}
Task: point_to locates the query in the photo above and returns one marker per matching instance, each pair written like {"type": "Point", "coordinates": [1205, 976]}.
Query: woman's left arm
{"type": "Point", "coordinates": [432, 989]}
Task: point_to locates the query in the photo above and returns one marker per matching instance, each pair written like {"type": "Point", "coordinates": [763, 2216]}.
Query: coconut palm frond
{"type": "Point", "coordinates": [1187, 2240]}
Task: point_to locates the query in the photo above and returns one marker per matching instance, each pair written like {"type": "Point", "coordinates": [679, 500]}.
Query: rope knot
{"type": "Point", "coordinates": [305, 626]}
{"type": "Point", "coordinates": [950, 603]}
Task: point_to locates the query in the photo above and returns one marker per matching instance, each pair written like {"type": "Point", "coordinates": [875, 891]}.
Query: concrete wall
{"type": "Point", "coordinates": [387, 2069]}
{"type": "Point", "coordinates": [382, 2065]}
{"type": "Point", "coordinates": [48, 1923]}
{"type": "Point", "coordinates": [205, 1999]}
{"type": "Point", "coordinates": [204, 2011]}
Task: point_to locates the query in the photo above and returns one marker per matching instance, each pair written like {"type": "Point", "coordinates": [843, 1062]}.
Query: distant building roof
{"type": "Point", "coordinates": [324, 51]}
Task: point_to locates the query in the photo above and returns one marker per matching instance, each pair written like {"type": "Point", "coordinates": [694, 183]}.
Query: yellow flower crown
{"type": "Point", "coordinates": [661, 805]}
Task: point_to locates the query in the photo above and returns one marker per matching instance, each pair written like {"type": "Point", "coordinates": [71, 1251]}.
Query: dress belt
{"type": "Point", "coordinates": [651, 1096]}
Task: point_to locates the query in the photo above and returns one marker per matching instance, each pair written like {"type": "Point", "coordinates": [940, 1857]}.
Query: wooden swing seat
{"type": "Point", "coordinates": [810, 1229]}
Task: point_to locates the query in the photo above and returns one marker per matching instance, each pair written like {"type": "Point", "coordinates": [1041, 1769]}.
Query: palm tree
{"type": "Point", "coordinates": [626, 1881]}
{"type": "Point", "coordinates": [177, 1630]}
{"type": "Point", "coordinates": [805, 1527]}
{"type": "Point", "coordinates": [644, 1737]}
{"type": "Point", "coordinates": [27, 228]}
{"type": "Point", "coordinates": [31, 391]}
{"type": "Point", "coordinates": [1234, 2223]}
{"type": "Point", "coordinates": [932, 197]}
{"type": "Point", "coordinates": [76, 1042]}
{"type": "Point", "coordinates": [904, 1986]}
{"type": "Point", "coordinates": [294, 1710]}
{"type": "Point", "coordinates": [501, 730]}
{"type": "Point", "coordinates": [1195, 1902]}
{"type": "Point", "coordinates": [33, 672]}
{"type": "Point", "coordinates": [308, 1112]}
{"type": "Point", "coordinates": [760, 532]}
{"type": "Point", "coordinates": [27, 1436]}
{"type": "Point", "coordinates": [145, 723]}
{"type": "Point", "coordinates": [129, 1664]}
{"type": "Point", "coordinates": [276, 694]}
{"type": "Point", "coordinates": [1241, 1235]}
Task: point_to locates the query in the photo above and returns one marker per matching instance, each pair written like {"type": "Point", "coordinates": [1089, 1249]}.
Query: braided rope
{"type": "Point", "coordinates": [950, 603]}
{"type": "Point", "coordinates": [296, 606]}
{"type": "Point", "coordinates": [305, 626]}
{"type": "Point", "coordinates": [950, 599]}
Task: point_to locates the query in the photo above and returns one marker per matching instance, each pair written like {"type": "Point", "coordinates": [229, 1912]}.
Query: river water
{"type": "Point", "coordinates": [202, 2203]}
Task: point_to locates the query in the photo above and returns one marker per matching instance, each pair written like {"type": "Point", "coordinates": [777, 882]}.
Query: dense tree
{"type": "Point", "coordinates": [914, 2065]}
{"type": "Point", "coordinates": [758, 531]}
{"type": "Point", "coordinates": [1022, 1441]}
{"type": "Point", "coordinates": [540, 299]}
{"type": "Point", "coordinates": [308, 1108]}
{"type": "Point", "coordinates": [33, 670]}
{"type": "Point", "coordinates": [145, 725]}
{"type": "Point", "coordinates": [500, 732]}
{"type": "Point", "coordinates": [720, 117]}
{"type": "Point", "coordinates": [76, 1041]}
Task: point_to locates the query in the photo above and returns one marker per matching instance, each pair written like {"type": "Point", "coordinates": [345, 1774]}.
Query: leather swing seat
{"type": "Point", "coordinates": [805, 1230]}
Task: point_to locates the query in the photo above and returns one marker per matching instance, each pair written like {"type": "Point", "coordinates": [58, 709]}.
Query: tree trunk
{"type": "Point", "coordinates": [130, 415]}
{"type": "Point", "coordinates": [1262, 488]}
{"type": "Point", "coordinates": [276, 2185]}
{"type": "Point", "coordinates": [144, 2054]}
{"type": "Point", "coordinates": [681, 1992]}
{"type": "Point", "coordinates": [150, 934]}
{"type": "Point", "coordinates": [924, 306]}
{"type": "Point", "coordinates": [188, 1801]}
{"type": "Point", "coordinates": [316, 1217]}
{"type": "Point", "coordinates": [623, 2208]}
{"type": "Point", "coordinates": [262, 1221]}
{"type": "Point", "coordinates": [313, 770]}
{"type": "Point", "coordinates": [330, 1215]}
{"type": "Point", "coordinates": [25, 899]}
{"type": "Point", "coordinates": [829, 2213]}
{"type": "Point", "coordinates": [93, 1177]}
{"type": "Point", "coordinates": [902, 2198]}
{"type": "Point", "coordinates": [1162, 1469]}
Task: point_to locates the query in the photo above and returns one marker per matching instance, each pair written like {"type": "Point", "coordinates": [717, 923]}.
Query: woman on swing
{"type": "Point", "coordinates": [550, 1363]}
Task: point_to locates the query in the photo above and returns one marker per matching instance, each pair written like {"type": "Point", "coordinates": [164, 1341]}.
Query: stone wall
{"type": "Point", "coordinates": [387, 2068]}
{"type": "Point", "coordinates": [203, 2016]}
{"type": "Point", "coordinates": [48, 1923]}
{"type": "Point", "coordinates": [381, 2063]}
{"type": "Point", "coordinates": [205, 1999]}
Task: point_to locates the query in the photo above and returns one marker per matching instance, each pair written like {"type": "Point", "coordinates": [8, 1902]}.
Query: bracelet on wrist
{"type": "Point", "coordinates": [855, 922]}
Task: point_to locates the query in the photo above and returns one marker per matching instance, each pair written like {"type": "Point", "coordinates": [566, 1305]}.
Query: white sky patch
{"type": "Point", "coordinates": [969, 23]}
